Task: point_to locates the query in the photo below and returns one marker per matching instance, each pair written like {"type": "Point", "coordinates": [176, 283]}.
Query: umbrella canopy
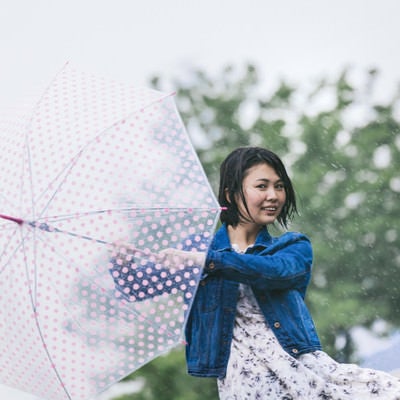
{"type": "Point", "coordinates": [95, 163]}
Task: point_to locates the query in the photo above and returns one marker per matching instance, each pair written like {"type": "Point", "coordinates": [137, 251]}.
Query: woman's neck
{"type": "Point", "coordinates": [243, 235]}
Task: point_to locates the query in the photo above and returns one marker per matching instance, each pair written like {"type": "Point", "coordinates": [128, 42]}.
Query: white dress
{"type": "Point", "coordinates": [259, 368]}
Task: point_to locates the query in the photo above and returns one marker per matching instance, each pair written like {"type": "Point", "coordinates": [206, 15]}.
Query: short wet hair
{"type": "Point", "coordinates": [232, 172]}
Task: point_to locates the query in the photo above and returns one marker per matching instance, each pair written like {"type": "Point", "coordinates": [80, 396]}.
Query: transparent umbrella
{"type": "Point", "coordinates": [96, 170]}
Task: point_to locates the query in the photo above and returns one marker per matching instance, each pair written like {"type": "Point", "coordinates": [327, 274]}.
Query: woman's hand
{"type": "Point", "coordinates": [124, 255]}
{"type": "Point", "coordinates": [173, 257]}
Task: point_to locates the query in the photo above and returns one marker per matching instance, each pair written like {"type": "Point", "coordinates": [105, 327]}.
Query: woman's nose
{"type": "Point", "coordinates": [271, 194]}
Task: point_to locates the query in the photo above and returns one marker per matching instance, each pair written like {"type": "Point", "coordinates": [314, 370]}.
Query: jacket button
{"type": "Point", "coordinates": [277, 325]}
{"type": "Point", "coordinates": [211, 265]}
{"type": "Point", "coordinates": [295, 351]}
{"type": "Point", "coordinates": [203, 283]}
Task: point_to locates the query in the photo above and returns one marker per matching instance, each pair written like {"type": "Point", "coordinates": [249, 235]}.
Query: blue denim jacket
{"type": "Point", "coordinates": [278, 269]}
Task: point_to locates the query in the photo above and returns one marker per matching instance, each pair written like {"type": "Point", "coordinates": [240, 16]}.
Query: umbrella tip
{"type": "Point", "coordinates": [18, 221]}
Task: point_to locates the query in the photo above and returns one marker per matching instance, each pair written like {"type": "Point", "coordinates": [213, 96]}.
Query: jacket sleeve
{"type": "Point", "coordinates": [284, 265]}
{"type": "Point", "coordinates": [140, 279]}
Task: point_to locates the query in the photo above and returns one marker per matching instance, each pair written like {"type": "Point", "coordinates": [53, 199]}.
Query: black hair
{"type": "Point", "coordinates": [232, 172]}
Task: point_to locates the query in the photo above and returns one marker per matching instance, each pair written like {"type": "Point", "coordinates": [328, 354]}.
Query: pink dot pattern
{"type": "Point", "coordinates": [105, 178]}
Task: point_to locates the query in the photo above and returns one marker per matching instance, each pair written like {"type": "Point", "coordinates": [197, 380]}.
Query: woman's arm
{"type": "Point", "coordinates": [285, 265]}
{"type": "Point", "coordinates": [138, 276]}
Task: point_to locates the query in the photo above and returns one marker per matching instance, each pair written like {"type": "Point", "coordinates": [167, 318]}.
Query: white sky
{"type": "Point", "coordinates": [131, 39]}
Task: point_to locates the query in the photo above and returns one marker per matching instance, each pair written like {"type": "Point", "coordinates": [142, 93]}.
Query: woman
{"type": "Point", "coordinates": [249, 325]}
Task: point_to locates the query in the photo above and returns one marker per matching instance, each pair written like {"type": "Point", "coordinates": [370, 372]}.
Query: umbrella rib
{"type": "Point", "coordinates": [166, 209]}
{"type": "Point", "coordinates": [74, 160]}
{"type": "Point", "coordinates": [30, 175]}
{"type": "Point", "coordinates": [39, 329]}
{"type": "Point", "coordinates": [49, 356]}
{"type": "Point", "coordinates": [29, 122]}
{"type": "Point", "coordinates": [11, 255]}
{"type": "Point", "coordinates": [32, 294]}
{"type": "Point", "coordinates": [66, 170]}
{"type": "Point", "coordinates": [47, 228]}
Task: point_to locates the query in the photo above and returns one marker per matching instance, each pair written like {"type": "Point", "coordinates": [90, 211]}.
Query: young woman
{"type": "Point", "coordinates": [249, 325]}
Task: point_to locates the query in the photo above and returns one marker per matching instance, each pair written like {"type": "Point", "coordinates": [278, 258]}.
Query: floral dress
{"type": "Point", "coordinates": [259, 368]}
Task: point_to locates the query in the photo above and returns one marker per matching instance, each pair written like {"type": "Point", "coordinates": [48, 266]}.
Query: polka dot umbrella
{"type": "Point", "coordinates": [97, 183]}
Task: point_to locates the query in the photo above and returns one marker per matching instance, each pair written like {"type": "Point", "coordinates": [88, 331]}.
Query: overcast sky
{"type": "Point", "coordinates": [131, 39]}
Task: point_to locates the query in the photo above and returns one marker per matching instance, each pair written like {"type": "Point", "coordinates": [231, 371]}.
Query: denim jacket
{"type": "Point", "coordinates": [278, 269]}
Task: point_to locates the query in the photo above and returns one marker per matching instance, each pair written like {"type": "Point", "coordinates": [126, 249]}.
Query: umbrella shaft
{"type": "Point", "coordinates": [19, 221]}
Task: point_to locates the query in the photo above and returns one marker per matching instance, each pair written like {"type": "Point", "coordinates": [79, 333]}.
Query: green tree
{"type": "Point", "coordinates": [343, 153]}
{"type": "Point", "coordinates": [350, 208]}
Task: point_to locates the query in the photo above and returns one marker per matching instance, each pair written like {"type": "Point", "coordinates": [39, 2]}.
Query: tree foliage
{"type": "Point", "coordinates": [343, 153]}
{"type": "Point", "coordinates": [350, 208]}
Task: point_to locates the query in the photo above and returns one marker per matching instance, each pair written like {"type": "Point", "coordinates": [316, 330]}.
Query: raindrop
{"type": "Point", "coordinates": [395, 184]}
{"type": "Point", "coordinates": [391, 235]}
{"type": "Point", "coordinates": [382, 157]}
{"type": "Point", "coordinates": [353, 200]}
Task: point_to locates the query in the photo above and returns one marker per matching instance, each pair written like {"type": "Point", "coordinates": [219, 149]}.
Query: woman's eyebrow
{"type": "Point", "coordinates": [279, 180]}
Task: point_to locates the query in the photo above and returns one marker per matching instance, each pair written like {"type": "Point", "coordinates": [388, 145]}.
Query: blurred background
{"type": "Point", "coordinates": [316, 81]}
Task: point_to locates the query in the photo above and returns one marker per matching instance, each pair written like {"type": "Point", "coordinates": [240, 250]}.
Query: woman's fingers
{"type": "Point", "coordinates": [175, 256]}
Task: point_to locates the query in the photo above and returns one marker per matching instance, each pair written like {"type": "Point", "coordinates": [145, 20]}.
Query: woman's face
{"type": "Point", "coordinates": [264, 193]}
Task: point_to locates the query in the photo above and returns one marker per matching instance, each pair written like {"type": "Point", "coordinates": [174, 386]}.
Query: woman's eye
{"type": "Point", "coordinates": [280, 186]}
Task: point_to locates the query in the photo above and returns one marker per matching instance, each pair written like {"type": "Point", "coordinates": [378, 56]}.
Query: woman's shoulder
{"type": "Point", "coordinates": [291, 237]}
{"type": "Point", "coordinates": [294, 235]}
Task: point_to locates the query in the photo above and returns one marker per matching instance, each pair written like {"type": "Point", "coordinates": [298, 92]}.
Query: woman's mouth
{"type": "Point", "coordinates": [270, 210]}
